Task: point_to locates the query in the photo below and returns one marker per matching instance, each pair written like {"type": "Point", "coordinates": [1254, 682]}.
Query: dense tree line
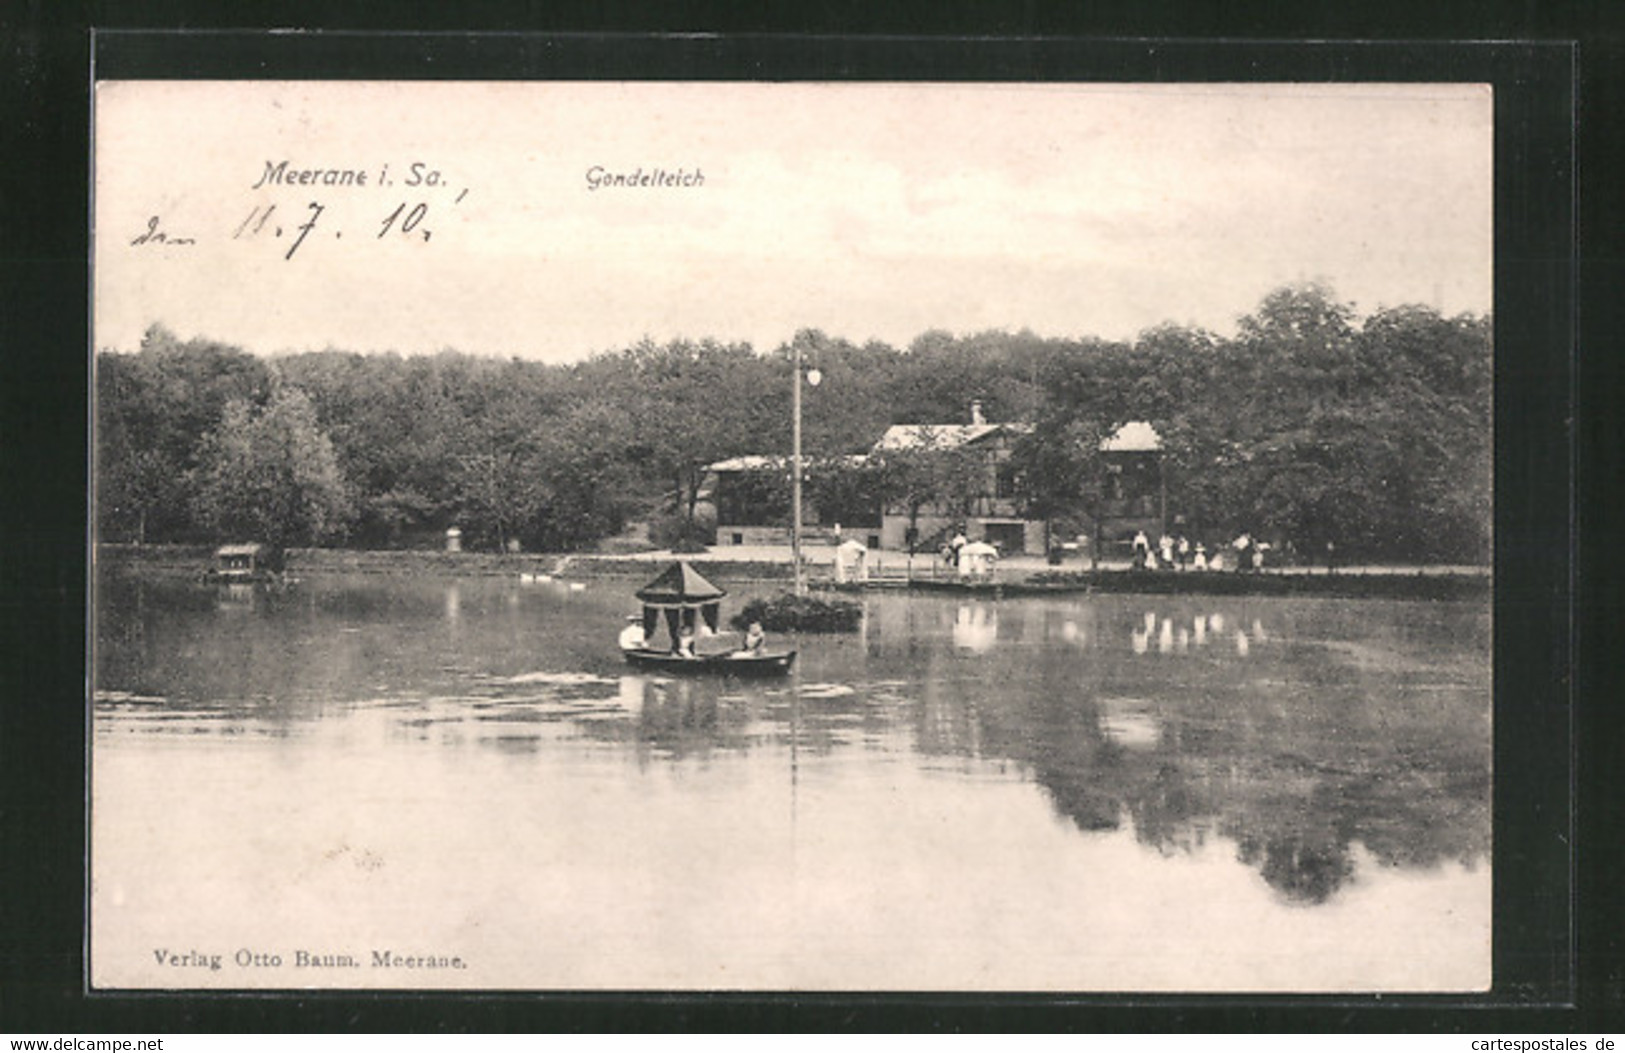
{"type": "Point", "coordinates": [1311, 424]}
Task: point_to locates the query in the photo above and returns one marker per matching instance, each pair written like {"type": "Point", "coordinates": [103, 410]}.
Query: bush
{"type": "Point", "coordinates": [808, 614]}
{"type": "Point", "coordinates": [680, 534]}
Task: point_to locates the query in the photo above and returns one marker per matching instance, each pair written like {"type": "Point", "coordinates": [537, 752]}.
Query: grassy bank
{"type": "Point", "coordinates": [196, 559]}
{"type": "Point", "coordinates": [193, 560]}
{"type": "Point", "coordinates": [1388, 585]}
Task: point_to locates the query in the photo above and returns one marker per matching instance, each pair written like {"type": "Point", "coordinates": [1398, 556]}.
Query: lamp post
{"type": "Point", "coordinates": [813, 377]}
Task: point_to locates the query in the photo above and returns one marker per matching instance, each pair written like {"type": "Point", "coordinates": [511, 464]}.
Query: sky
{"type": "Point", "coordinates": [869, 211]}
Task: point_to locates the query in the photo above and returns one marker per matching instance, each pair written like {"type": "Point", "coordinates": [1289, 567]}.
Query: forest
{"type": "Point", "coordinates": [1311, 424]}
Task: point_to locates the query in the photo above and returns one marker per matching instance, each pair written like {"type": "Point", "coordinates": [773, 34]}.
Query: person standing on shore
{"type": "Point", "coordinates": [1244, 551]}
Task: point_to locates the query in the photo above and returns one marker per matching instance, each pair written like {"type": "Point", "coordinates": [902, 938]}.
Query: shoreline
{"type": "Point", "coordinates": [1014, 579]}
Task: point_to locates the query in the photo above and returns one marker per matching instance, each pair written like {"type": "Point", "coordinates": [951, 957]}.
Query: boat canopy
{"type": "Point", "coordinates": [680, 591]}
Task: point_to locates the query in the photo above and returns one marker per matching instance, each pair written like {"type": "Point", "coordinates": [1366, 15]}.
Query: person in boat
{"type": "Point", "coordinates": [755, 639]}
{"type": "Point", "coordinates": [685, 642]}
{"type": "Point", "coordinates": [632, 636]}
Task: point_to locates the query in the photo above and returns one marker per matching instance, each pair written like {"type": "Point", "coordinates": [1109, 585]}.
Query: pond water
{"type": "Point", "coordinates": [382, 782]}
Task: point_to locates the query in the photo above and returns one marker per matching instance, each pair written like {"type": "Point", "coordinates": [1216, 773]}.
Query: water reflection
{"type": "Point", "coordinates": [976, 627]}
{"type": "Point", "coordinates": [1177, 635]}
{"type": "Point", "coordinates": [1303, 762]}
{"type": "Point", "coordinates": [1130, 725]}
{"type": "Point", "coordinates": [236, 597]}
{"type": "Point", "coordinates": [1306, 736]}
{"type": "Point", "coordinates": [1306, 865]}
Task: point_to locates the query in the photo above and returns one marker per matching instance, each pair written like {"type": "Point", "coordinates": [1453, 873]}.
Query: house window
{"type": "Point", "coordinates": [738, 538]}
{"type": "Point", "coordinates": [1004, 485]}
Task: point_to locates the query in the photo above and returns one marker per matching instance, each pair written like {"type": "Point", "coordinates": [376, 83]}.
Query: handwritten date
{"type": "Point", "coordinates": [405, 220]}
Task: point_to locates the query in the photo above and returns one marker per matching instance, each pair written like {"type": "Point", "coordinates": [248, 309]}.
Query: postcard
{"type": "Point", "coordinates": [724, 536]}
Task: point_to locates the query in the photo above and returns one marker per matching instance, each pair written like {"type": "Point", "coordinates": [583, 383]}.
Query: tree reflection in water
{"type": "Point", "coordinates": [1163, 812]}
{"type": "Point", "coordinates": [1295, 821]}
{"type": "Point", "coordinates": [1298, 765]}
{"type": "Point", "coordinates": [1305, 868]}
{"type": "Point", "coordinates": [1080, 767]}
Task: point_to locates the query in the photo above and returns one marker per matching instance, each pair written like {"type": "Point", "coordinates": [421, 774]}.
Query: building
{"type": "Point", "coordinates": [940, 480]}
{"type": "Point", "coordinates": [975, 489]}
{"type": "Point", "coordinates": [1135, 492]}
{"type": "Point", "coordinates": [751, 496]}
{"type": "Point", "coordinates": [955, 477]}
{"type": "Point", "coordinates": [242, 563]}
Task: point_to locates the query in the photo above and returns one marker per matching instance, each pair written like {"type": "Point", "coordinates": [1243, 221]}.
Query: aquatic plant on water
{"type": "Point", "coordinates": [808, 614]}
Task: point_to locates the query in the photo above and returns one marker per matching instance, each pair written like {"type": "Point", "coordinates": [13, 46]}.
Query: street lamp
{"type": "Point", "coordinates": [813, 378]}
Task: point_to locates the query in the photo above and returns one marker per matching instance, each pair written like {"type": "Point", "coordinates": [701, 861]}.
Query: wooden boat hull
{"type": "Point", "coordinates": [776, 663]}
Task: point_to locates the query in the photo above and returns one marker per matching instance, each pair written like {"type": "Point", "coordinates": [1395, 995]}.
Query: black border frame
{"type": "Point", "coordinates": [1538, 395]}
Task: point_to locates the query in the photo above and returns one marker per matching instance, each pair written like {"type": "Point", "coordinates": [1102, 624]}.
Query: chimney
{"type": "Point", "coordinates": [976, 412]}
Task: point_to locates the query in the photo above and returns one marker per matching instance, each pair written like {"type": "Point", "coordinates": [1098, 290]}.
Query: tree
{"type": "Point", "coordinates": [496, 494]}
{"type": "Point", "coordinates": [1308, 425]}
{"type": "Point", "coordinates": [271, 475]}
{"type": "Point", "coordinates": [965, 478]}
{"type": "Point", "coordinates": [931, 470]}
{"type": "Point", "coordinates": [139, 475]}
{"type": "Point", "coordinates": [152, 409]}
{"type": "Point", "coordinates": [495, 440]}
{"type": "Point", "coordinates": [908, 481]}
{"type": "Point", "coordinates": [1060, 471]}
{"type": "Point", "coordinates": [585, 485]}
{"type": "Point", "coordinates": [846, 492]}
{"type": "Point", "coordinates": [1435, 376]}
{"type": "Point", "coordinates": [695, 404]}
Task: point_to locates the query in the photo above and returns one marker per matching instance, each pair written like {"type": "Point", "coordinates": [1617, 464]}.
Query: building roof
{"type": "Point", "coordinates": [251, 549]}
{"type": "Point", "coordinates": [941, 436]}
{"type": "Point", "coordinates": [1136, 436]}
{"type": "Point", "coordinates": [755, 462]}
{"type": "Point", "coordinates": [749, 463]}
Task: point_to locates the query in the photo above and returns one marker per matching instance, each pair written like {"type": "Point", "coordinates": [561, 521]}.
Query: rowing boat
{"type": "Point", "coordinates": [689, 605]}
{"type": "Point", "coordinates": [731, 663]}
